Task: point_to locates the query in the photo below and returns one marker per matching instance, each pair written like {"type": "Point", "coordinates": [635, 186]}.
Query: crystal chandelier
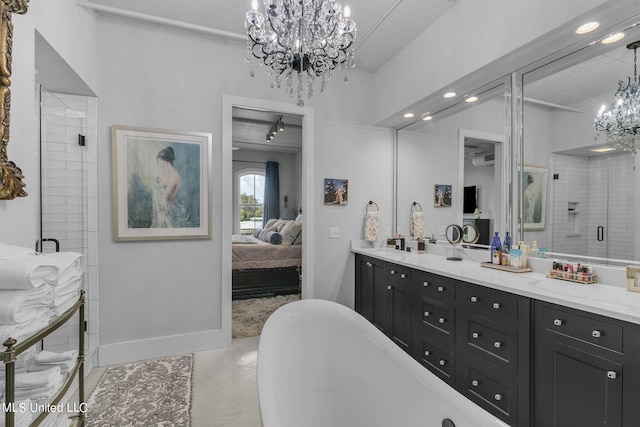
{"type": "Point", "coordinates": [311, 37]}
{"type": "Point", "coordinates": [621, 121]}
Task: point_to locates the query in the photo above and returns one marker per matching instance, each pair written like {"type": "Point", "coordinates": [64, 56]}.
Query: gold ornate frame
{"type": "Point", "coordinates": [11, 185]}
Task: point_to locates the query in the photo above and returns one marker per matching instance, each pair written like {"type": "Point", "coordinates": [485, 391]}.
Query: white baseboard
{"type": "Point", "coordinates": [151, 348]}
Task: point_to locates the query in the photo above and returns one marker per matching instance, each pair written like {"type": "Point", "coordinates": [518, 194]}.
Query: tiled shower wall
{"type": "Point", "coordinates": [69, 202]}
{"type": "Point", "coordinates": [603, 189]}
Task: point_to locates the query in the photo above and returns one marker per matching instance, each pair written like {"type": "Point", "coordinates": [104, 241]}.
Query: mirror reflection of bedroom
{"type": "Point", "coordinates": [267, 216]}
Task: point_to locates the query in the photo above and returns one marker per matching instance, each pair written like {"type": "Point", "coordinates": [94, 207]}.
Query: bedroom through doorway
{"type": "Point", "coordinates": [267, 215]}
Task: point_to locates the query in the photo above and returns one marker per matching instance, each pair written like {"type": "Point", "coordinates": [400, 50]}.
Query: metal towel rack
{"type": "Point", "coordinates": [371, 203]}
{"type": "Point", "coordinates": [414, 205]}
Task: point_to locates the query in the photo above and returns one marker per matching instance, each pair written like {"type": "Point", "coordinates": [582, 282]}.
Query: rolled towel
{"type": "Point", "coordinates": [27, 272]}
{"type": "Point", "coordinates": [372, 226]}
{"type": "Point", "coordinates": [65, 302]}
{"type": "Point", "coordinates": [416, 225]}
{"type": "Point", "coordinates": [18, 306]}
{"type": "Point", "coordinates": [10, 251]}
{"type": "Point", "coordinates": [21, 331]}
{"type": "Point", "coordinates": [70, 264]}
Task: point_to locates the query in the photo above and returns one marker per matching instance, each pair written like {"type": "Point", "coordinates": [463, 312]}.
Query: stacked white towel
{"type": "Point", "coordinates": [416, 225]}
{"type": "Point", "coordinates": [40, 385]}
{"type": "Point", "coordinates": [66, 294]}
{"type": "Point", "coordinates": [18, 306]}
{"type": "Point", "coordinates": [23, 330]}
{"type": "Point", "coordinates": [372, 226]}
{"type": "Point", "coordinates": [23, 416]}
{"type": "Point", "coordinates": [49, 359]}
{"type": "Point", "coordinates": [20, 364]}
{"type": "Point", "coordinates": [57, 419]}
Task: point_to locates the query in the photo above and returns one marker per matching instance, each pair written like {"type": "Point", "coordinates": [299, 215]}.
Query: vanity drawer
{"type": "Point", "coordinates": [589, 328]}
{"type": "Point", "coordinates": [435, 286]}
{"type": "Point", "coordinates": [402, 274]}
{"type": "Point", "coordinates": [476, 299]}
{"type": "Point", "coordinates": [492, 392]}
{"type": "Point", "coordinates": [436, 356]}
{"type": "Point", "coordinates": [493, 342]}
{"type": "Point", "coordinates": [437, 315]}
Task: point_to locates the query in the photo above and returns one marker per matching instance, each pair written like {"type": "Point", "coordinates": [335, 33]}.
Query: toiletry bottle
{"type": "Point", "coordinates": [533, 250]}
{"type": "Point", "coordinates": [496, 246]}
{"type": "Point", "coordinates": [507, 242]}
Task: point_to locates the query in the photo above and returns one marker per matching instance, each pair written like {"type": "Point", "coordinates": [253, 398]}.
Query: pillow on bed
{"type": "Point", "coordinates": [273, 237]}
{"type": "Point", "coordinates": [264, 231]}
{"type": "Point", "coordinates": [299, 218]}
{"type": "Point", "coordinates": [256, 232]}
{"type": "Point", "coordinates": [270, 222]}
{"type": "Point", "coordinates": [280, 223]}
{"type": "Point", "coordinates": [290, 232]}
{"type": "Point", "coordinates": [298, 240]}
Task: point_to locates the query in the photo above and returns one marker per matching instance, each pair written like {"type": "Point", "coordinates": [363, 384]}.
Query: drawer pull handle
{"type": "Point", "coordinates": [425, 284]}
{"type": "Point", "coordinates": [558, 322]}
{"type": "Point", "coordinates": [612, 375]}
{"type": "Point", "coordinates": [389, 287]}
{"type": "Point", "coordinates": [427, 313]}
{"type": "Point", "coordinates": [596, 334]}
{"type": "Point", "coordinates": [369, 264]}
{"type": "Point", "coordinates": [496, 305]}
{"type": "Point", "coordinates": [402, 276]}
{"type": "Point", "coordinates": [475, 383]}
{"type": "Point", "coordinates": [474, 299]}
{"type": "Point", "coordinates": [443, 362]}
{"type": "Point", "coordinates": [442, 320]}
{"type": "Point", "coordinates": [497, 344]}
{"type": "Point", "coordinates": [427, 353]}
{"type": "Point", "coordinates": [475, 335]}
{"type": "Point", "coordinates": [440, 289]}
{"type": "Point", "coordinates": [498, 397]}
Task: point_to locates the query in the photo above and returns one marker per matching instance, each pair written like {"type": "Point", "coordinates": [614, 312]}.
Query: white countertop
{"type": "Point", "coordinates": [598, 298]}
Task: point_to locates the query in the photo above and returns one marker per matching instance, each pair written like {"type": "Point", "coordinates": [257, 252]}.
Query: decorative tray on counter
{"type": "Point", "coordinates": [506, 267]}
{"type": "Point", "coordinates": [572, 277]}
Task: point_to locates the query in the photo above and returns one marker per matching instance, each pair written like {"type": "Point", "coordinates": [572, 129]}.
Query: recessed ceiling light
{"type": "Point", "coordinates": [587, 28]}
{"type": "Point", "coordinates": [613, 38]}
{"type": "Point", "coordinates": [603, 149]}
{"type": "Point", "coordinates": [408, 115]}
{"type": "Point", "coordinates": [427, 118]}
{"type": "Point", "coordinates": [471, 99]}
{"type": "Point", "coordinates": [449, 95]}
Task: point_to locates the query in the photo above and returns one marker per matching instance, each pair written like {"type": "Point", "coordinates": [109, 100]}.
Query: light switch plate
{"type": "Point", "coordinates": [334, 233]}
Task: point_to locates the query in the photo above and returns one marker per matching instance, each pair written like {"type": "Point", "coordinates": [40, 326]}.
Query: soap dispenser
{"type": "Point", "coordinates": [496, 248]}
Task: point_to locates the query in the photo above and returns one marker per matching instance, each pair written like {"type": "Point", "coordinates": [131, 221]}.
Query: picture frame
{"type": "Point", "coordinates": [336, 192]}
{"type": "Point", "coordinates": [633, 278]}
{"type": "Point", "coordinates": [443, 195]}
{"type": "Point", "coordinates": [161, 184]}
{"type": "Point", "coordinates": [534, 197]}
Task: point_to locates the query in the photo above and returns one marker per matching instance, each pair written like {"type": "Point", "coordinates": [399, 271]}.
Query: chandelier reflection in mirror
{"type": "Point", "coordinates": [312, 37]}
{"type": "Point", "coordinates": [621, 121]}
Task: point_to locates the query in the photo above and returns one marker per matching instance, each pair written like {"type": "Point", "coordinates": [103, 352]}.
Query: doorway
{"type": "Point", "coordinates": [296, 199]}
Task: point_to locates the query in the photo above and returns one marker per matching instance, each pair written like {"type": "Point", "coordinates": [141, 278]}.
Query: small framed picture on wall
{"type": "Point", "coordinates": [442, 196]}
{"type": "Point", "coordinates": [336, 191]}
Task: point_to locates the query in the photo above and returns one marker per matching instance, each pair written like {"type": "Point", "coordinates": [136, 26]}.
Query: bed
{"type": "Point", "coordinates": [261, 269]}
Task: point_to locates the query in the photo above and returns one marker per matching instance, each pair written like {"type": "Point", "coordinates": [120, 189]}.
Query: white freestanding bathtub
{"type": "Point", "coordinates": [322, 364]}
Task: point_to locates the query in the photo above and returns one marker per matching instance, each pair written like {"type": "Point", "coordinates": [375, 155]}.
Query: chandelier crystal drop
{"type": "Point", "coordinates": [621, 121]}
{"type": "Point", "coordinates": [308, 37]}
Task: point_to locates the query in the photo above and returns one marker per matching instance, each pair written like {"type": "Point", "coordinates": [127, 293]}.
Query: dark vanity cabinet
{"type": "Point", "coordinates": [586, 369]}
{"type": "Point", "coordinates": [383, 296]}
{"type": "Point", "coordinates": [528, 362]}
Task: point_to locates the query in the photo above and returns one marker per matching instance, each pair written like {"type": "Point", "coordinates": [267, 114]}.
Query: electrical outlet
{"type": "Point", "coordinates": [334, 233]}
{"type": "Point", "coordinates": [442, 230]}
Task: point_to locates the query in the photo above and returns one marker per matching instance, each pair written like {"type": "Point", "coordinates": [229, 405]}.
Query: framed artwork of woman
{"type": "Point", "coordinates": [161, 184]}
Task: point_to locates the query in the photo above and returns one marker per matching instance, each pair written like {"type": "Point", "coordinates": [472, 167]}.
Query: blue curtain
{"type": "Point", "coordinates": [271, 192]}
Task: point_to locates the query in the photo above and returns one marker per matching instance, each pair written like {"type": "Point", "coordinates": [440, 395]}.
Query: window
{"type": "Point", "coordinates": [251, 199]}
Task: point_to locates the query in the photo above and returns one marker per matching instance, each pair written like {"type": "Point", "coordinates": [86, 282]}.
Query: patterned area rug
{"type": "Point", "coordinates": [248, 316]}
{"type": "Point", "coordinates": [148, 393]}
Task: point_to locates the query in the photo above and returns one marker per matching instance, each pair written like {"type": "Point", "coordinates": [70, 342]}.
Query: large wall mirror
{"type": "Point", "coordinates": [455, 160]}
{"type": "Point", "coordinates": [580, 195]}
